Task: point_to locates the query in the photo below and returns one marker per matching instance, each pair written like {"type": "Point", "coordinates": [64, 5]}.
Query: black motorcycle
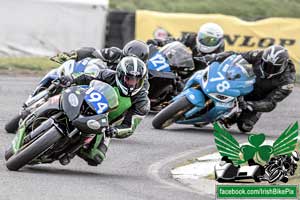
{"type": "Point", "coordinates": [168, 68]}
{"type": "Point", "coordinates": [62, 125]}
{"type": "Point", "coordinates": [88, 65]}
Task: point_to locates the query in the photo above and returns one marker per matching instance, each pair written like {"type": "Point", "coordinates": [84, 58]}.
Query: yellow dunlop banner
{"type": "Point", "coordinates": [239, 35]}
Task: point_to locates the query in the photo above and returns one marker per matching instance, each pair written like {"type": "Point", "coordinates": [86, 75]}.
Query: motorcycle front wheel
{"type": "Point", "coordinates": [171, 113]}
{"type": "Point", "coordinates": [33, 150]}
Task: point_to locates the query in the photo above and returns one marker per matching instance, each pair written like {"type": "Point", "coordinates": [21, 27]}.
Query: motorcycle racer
{"type": "Point", "coordinates": [129, 82]}
{"type": "Point", "coordinates": [101, 58]}
{"type": "Point", "coordinates": [275, 79]}
{"type": "Point", "coordinates": [208, 40]}
{"type": "Point", "coordinates": [111, 55]}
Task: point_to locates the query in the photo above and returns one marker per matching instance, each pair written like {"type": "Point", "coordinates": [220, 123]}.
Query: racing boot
{"type": "Point", "coordinates": [247, 121]}
{"type": "Point", "coordinates": [229, 121]}
{"type": "Point", "coordinates": [245, 127]}
{"type": "Point", "coordinates": [95, 154]}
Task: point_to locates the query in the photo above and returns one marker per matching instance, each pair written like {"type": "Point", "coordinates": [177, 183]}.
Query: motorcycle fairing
{"type": "Point", "coordinates": [212, 115]}
{"type": "Point", "coordinates": [97, 101]}
{"type": "Point", "coordinates": [72, 99]}
{"type": "Point", "coordinates": [91, 124]}
{"type": "Point", "coordinates": [124, 104]}
{"type": "Point", "coordinates": [216, 80]}
{"type": "Point", "coordinates": [67, 68]}
{"type": "Point", "coordinates": [195, 96]}
{"type": "Point", "coordinates": [158, 63]}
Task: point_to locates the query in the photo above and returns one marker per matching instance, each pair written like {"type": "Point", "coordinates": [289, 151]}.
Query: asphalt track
{"type": "Point", "coordinates": [136, 168]}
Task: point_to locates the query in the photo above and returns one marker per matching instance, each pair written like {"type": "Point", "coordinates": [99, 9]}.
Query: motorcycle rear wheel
{"type": "Point", "coordinates": [171, 113]}
{"type": "Point", "coordinates": [8, 153]}
{"type": "Point", "coordinates": [13, 124]}
{"type": "Point", "coordinates": [33, 150]}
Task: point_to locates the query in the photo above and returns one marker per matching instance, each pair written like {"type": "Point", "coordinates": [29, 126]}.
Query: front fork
{"type": "Point", "coordinates": [21, 136]}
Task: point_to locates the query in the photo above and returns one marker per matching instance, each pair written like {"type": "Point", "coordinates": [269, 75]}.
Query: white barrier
{"type": "Point", "coordinates": [44, 27]}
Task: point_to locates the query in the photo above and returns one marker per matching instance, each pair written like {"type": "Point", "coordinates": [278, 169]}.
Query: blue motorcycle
{"type": "Point", "coordinates": [210, 95]}
{"type": "Point", "coordinates": [37, 98]}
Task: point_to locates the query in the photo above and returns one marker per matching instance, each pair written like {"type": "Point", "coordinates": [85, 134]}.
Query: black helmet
{"type": "Point", "coordinates": [136, 48]}
{"type": "Point", "coordinates": [130, 76]}
{"type": "Point", "coordinates": [274, 61]}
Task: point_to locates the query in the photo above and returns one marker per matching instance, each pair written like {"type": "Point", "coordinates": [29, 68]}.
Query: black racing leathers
{"type": "Point", "coordinates": [140, 103]}
{"type": "Point", "coordinates": [111, 56]}
{"type": "Point", "coordinates": [189, 40]}
{"type": "Point", "coordinates": [267, 92]}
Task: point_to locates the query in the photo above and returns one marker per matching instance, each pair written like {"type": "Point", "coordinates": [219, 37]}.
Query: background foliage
{"type": "Point", "coordinates": [245, 9]}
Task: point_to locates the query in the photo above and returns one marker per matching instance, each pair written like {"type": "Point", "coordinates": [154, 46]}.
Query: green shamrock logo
{"type": "Point", "coordinates": [227, 145]}
{"type": "Point", "coordinates": [256, 149]}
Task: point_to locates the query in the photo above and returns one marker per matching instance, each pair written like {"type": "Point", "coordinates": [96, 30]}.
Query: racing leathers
{"type": "Point", "coordinates": [266, 93]}
{"type": "Point", "coordinates": [124, 119]}
{"type": "Point", "coordinates": [189, 40]}
{"type": "Point", "coordinates": [111, 55]}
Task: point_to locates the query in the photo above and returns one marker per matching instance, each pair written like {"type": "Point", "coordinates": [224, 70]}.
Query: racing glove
{"type": "Point", "coordinates": [160, 42]}
{"type": "Point", "coordinates": [207, 59]}
{"type": "Point", "coordinates": [202, 60]}
{"type": "Point", "coordinates": [155, 42]}
{"type": "Point", "coordinates": [111, 131]}
{"type": "Point", "coordinates": [64, 56]}
{"type": "Point", "coordinates": [246, 105]}
{"type": "Point", "coordinates": [66, 81]}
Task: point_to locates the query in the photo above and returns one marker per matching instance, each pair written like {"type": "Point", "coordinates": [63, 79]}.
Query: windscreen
{"type": "Point", "coordinates": [108, 92]}
{"type": "Point", "coordinates": [178, 55]}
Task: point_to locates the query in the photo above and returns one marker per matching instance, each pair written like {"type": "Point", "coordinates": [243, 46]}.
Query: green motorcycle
{"type": "Point", "coordinates": [64, 125]}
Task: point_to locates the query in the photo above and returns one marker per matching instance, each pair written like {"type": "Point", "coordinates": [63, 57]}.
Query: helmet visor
{"type": "Point", "coordinates": [271, 69]}
{"type": "Point", "coordinates": [132, 82]}
{"type": "Point", "coordinates": [208, 40]}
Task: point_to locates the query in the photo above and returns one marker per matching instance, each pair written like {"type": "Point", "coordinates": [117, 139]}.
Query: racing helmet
{"type": "Point", "coordinates": [274, 61]}
{"type": "Point", "coordinates": [209, 38]}
{"type": "Point", "coordinates": [137, 48]}
{"type": "Point", "coordinates": [130, 76]}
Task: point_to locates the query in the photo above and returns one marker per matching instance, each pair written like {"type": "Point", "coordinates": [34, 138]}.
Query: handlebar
{"type": "Point", "coordinates": [56, 83]}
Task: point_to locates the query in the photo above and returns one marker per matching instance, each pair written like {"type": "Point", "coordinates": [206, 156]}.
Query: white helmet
{"type": "Point", "coordinates": [210, 37]}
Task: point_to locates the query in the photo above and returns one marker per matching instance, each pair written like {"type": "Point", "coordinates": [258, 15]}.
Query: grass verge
{"type": "Point", "coordinates": [27, 63]}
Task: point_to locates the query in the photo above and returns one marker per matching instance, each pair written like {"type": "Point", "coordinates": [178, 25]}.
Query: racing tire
{"type": "Point", "coordinates": [33, 150]}
{"type": "Point", "coordinates": [8, 153]}
{"type": "Point", "coordinates": [171, 113]}
{"type": "Point", "coordinates": [13, 125]}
